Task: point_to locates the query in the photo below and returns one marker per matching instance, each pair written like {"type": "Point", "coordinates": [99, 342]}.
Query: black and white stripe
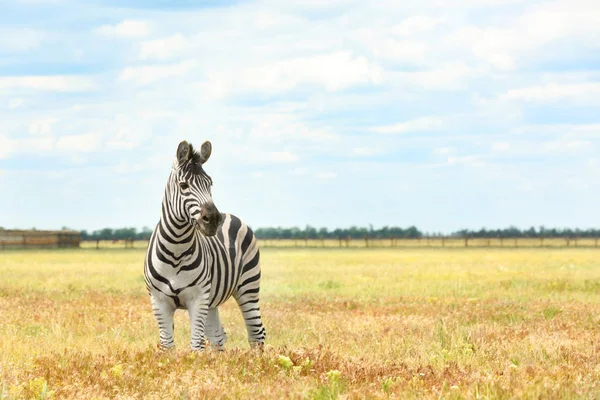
{"type": "Point", "coordinates": [198, 258]}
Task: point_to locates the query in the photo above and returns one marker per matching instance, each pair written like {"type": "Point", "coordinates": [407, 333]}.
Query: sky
{"type": "Point", "coordinates": [440, 114]}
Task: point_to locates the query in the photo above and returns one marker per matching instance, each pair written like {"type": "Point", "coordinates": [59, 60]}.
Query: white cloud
{"type": "Point", "coordinates": [500, 146]}
{"type": "Point", "coordinates": [129, 131]}
{"type": "Point", "coordinates": [20, 39]}
{"type": "Point", "coordinates": [299, 171]}
{"type": "Point", "coordinates": [126, 167]}
{"type": "Point", "coordinates": [55, 83]}
{"type": "Point", "coordinates": [147, 74]}
{"type": "Point", "coordinates": [493, 45]}
{"type": "Point", "coordinates": [448, 76]}
{"type": "Point", "coordinates": [15, 103]}
{"type": "Point", "coordinates": [277, 127]}
{"type": "Point", "coordinates": [554, 91]}
{"type": "Point", "coordinates": [9, 147]}
{"type": "Point", "coordinates": [37, 2]}
{"type": "Point", "coordinates": [6, 147]}
{"type": "Point", "coordinates": [584, 130]}
{"type": "Point", "coordinates": [42, 127]}
{"type": "Point", "coordinates": [87, 142]}
{"type": "Point", "coordinates": [126, 139]}
{"type": "Point", "coordinates": [334, 71]}
{"type": "Point", "coordinates": [126, 29]}
{"type": "Point", "coordinates": [120, 144]}
{"type": "Point", "coordinates": [162, 49]}
{"type": "Point", "coordinates": [473, 161]}
{"type": "Point", "coordinates": [272, 157]}
{"type": "Point", "coordinates": [591, 131]}
{"type": "Point", "coordinates": [414, 125]}
{"type": "Point", "coordinates": [416, 24]}
{"type": "Point", "coordinates": [443, 150]}
{"type": "Point", "coordinates": [270, 19]}
{"type": "Point", "coordinates": [401, 50]}
{"type": "Point", "coordinates": [381, 44]}
{"type": "Point", "coordinates": [312, 4]}
{"type": "Point", "coordinates": [539, 25]}
{"type": "Point", "coordinates": [367, 151]}
{"type": "Point", "coordinates": [565, 144]}
{"type": "Point", "coordinates": [325, 175]}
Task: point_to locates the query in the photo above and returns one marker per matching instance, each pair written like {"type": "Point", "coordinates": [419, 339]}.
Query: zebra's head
{"type": "Point", "coordinates": [191, 186]}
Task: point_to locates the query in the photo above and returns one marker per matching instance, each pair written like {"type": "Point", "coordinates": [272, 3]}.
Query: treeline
{"type": "Point", "coordinates": [412, 232]}
{"type": "Point", "coordinates": [514, 232]}
{"type": "Point", "coordinates": [117, 234]}
{"type": "Point", "coordinates": [355, 232]}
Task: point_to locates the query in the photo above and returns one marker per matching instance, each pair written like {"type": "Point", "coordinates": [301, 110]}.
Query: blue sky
{"type": "Point", "coordinates": [444, 115]}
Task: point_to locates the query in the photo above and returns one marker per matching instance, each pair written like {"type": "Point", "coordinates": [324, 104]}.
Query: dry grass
{"type": "Point", "coordinates": [410, 323]}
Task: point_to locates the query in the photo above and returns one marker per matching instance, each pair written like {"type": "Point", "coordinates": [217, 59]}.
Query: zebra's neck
{"type": "Point", "coordinates": [174, 227]}
{"type": "Point", "coordinates": [175, 232]}
{"type": "Point", "coordinates": [176, 235]}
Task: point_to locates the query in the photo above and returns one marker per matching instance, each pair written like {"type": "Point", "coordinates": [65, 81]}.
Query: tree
{"type": "Point", "coordinates": [323, 233]}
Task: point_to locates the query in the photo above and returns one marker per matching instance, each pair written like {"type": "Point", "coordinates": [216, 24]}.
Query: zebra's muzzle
{"type": "Point", "coordinates": [209, 220]}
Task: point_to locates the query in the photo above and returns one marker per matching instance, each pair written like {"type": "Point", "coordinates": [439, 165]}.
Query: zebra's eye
{"type": "Point", "coordinates": [184, 185]}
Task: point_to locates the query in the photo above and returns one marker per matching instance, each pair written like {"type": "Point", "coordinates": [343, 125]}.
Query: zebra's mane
{"type": "Point", "coordinates": [195, 161]}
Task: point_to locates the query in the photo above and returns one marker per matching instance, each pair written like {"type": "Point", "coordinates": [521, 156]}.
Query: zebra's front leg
{"type": "Point", "coordinates": [214, 330]}
{"type": "Point", "coordinates": [164, 309]}
{"type": "Point", "coordinates": [198, 310]}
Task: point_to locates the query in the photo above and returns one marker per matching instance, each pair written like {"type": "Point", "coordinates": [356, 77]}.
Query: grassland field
{"type": "Point", "coordinates": [341, 323]}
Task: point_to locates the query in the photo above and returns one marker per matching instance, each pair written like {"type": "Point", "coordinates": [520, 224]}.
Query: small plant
{"type": "Point", "coordinates": [288, 365]}
{"type": "Point", "coordinates": [387, 384]}
{"type": "Point", "coordinates": [117, 371]}
{"type": "Point", "coordinates": [442, 335]}
{"type": "Point", "coordinates": [307, 364]}
{"type": "Point", "coordinates": [332, 390]}
{"type": "Point", "coordinates": [38, 389]}
{"type": "Point", "coordinates": [334, 376]}
{"type": "Point", "coordinates": [330, 284]}
{"type": "Point", "coordinates": [551, 312]}
{"type": "Point", "coordinates": [285, 362]}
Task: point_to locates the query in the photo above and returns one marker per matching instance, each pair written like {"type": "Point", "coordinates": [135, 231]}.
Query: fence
{"type": "Point", "coordinates": [114, 244]}
{"type": "Point", "coordinates": [22, 239]}
{"type": "Point", "coordinates": [424, 242]}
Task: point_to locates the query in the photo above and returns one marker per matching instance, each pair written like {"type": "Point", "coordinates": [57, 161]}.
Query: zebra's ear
{"type": "Point", "coordinates": [205, 151]}
{"type": "Point", "coordinates": [184, 152]}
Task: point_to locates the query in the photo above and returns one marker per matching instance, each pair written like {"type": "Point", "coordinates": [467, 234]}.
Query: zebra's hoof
{"type": "Point", "coordinates": [195, 349]}
{"type": "Point", "coordinates": [165, 349]}
{"type": "Point", "coordinates": [257, 346]}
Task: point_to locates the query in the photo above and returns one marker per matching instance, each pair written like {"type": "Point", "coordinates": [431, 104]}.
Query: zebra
{"type": "Point", "coordinates": [197, 258]}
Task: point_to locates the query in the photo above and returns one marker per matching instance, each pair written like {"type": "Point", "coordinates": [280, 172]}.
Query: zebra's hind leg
{"type": "Point", "coordinates": [247, 299]}
{"type": "Point", "coordinates": [214, 329]}
{"type": "Point", "coordinates": [164, 309]}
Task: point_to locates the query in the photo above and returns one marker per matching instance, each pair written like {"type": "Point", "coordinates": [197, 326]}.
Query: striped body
{"type": "Point", "coordinates": [229, 260]}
